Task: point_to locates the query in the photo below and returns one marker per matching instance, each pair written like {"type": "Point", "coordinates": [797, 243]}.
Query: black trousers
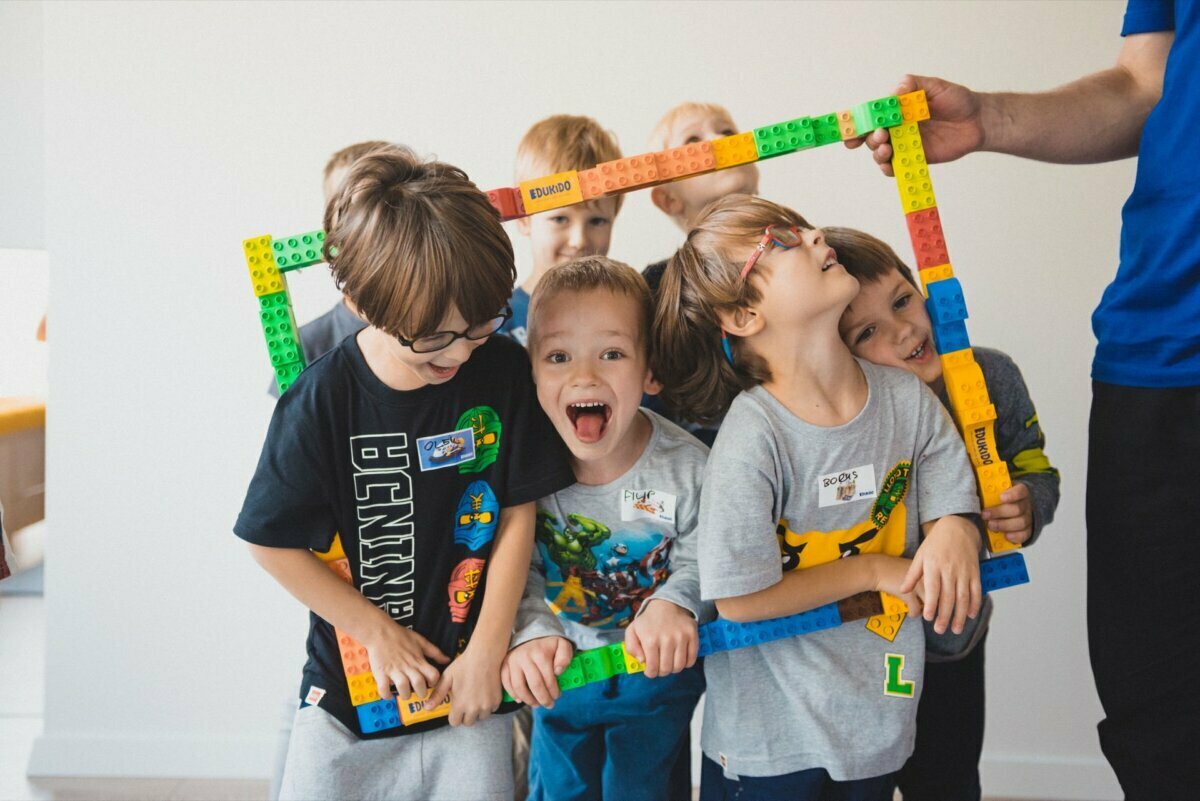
{"type": "Point", "coordinates": [944, 765]}
{"type": "Point", "coordinates": [1143, 602]}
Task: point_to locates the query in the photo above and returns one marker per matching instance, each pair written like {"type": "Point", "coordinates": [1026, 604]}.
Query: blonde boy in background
{"type": "Point", "coordinates": [557, 144]}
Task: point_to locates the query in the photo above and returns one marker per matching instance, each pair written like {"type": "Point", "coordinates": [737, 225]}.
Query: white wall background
{"type": "Point", "coordinates": [175, 130]}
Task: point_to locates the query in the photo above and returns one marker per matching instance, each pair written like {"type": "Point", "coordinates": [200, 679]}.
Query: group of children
{"type": "Point", "coordinates": [507, 500]}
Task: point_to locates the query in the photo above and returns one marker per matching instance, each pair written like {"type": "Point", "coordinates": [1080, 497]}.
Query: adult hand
{"type": "Point", "coordinates": [955, 126]}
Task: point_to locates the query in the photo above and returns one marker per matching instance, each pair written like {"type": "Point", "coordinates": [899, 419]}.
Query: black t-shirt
{"type": "Point", "coordinates": [414, 482]}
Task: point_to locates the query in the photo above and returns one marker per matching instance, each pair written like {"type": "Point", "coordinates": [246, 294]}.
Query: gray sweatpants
{"type": "Point", "coordinates": [326, 761]}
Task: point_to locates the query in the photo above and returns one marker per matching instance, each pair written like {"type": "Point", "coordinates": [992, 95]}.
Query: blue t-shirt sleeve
{"type": "Point", "coordinates": [1148, 16]}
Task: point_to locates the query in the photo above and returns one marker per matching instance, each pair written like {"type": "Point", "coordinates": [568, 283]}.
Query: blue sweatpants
{"type": "Point", "coordinates": [614, 740]}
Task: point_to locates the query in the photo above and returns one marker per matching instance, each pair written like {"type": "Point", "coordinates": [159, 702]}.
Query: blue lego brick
{"type": "Point", "coordinates": [945, 303]}
{"type": "Point", "coordinates": [1003, 571]}
{"type": "Point", "coordinates": [950, 337]}
{"type": "Point", "coordinates": [378, 715]}
{"type": "Point", "coordinates": [725, 635]}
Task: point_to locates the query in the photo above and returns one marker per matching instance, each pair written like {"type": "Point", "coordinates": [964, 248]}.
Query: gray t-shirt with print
{"type": "Point", "coordinates": [780, 493]}
{"type": "Point", "coordinates": [602, 551]}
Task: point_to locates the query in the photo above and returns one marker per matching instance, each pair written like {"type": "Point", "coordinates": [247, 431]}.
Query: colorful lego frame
{"type": "Point", "coordinates": [268, 261]}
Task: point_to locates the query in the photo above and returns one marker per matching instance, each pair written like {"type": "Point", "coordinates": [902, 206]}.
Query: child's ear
{"type": "Point", "coordinates": [651, 386]}
{"type": "Point", "coordinates": [741, 322]}
{"type": "Point", "coordinates": [667, 201]}
{"type": "Point", "coordinates": [523, 226]}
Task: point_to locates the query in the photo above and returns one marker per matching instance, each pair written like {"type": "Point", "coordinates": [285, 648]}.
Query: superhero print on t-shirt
{"type": "Point", "coordinates": [596, 576]}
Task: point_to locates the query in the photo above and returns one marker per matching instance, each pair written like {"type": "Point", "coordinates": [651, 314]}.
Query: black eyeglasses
{"type": "Point", "coordinates": [444, 339]}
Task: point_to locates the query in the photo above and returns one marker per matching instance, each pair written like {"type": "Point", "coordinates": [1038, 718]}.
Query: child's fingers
{"type": "Point", "coordinates": [693, 648]}
{"type": "Point", "coordinates": [933, 594]}
{"type": "Point", "coordinates": [1001, 511]}
{"type": "Point", "coordinates": [405, 688]}
{"type": "Point", "coordinates": [976, 595]}
{"type": "Point", "coordinates": [913, 576]}
{"type": "Point", "coordinates": [633, 643]}
{"type": "Point", "coordinates": [518, 687]}
{"type": "Point", "coordinates": [962, 605]}
{"type": "Point", "coordinates": [650, 657]}
{"type": "Point", "coordinates": [680, 662]}
{"type": "Point", "coordinates": [535, 677]}
{"type": "Point", "coordinates": [1019, 491]}
{"type": "Point", "coordinates": [562, 656]}
{"type": "Point", "coordinates": [428, 672]}
{"type": "Point", "coordinates": [945, 603]}
{"type": "Point", "coordinates": [383, 683]}
{"type": "Point", "coordinates": [440, 691]}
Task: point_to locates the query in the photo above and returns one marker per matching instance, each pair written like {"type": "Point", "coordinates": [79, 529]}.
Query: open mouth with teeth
{"type": "Point", "coordinates": [919, 351]}
{"type": "Point", "coordinates": [830, 262]}
{"type": "Point", "coordinates": [589, 419]}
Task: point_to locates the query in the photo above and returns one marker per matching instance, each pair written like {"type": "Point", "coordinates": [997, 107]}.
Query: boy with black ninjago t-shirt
{"type": "Point", "coordinates": [420, 440]}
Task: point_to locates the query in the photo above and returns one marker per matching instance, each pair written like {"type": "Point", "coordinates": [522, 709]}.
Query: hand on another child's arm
{"type": "Point", "coordinates": [530, 671]}
{"type": "Point", "coordinates": [1013, 516]}
{"type": "Point", "coordinates": [663, 636]}
{"type": "Point", "coordinates": [890, 573]}
{"type": "Point", "coordinates": [947, 567]}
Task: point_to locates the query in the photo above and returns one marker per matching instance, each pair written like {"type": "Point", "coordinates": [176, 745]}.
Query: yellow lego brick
{"type": "Point", "coordinates": [892, 605]}
{"type": "Point", "coordinates": [846, 124]}
{"type": "Point", "coordinates": [913, 106]}
{"type": "Point", "coordinates": [260, 260]}
{"type": "Point", "coordinates": [363, 689]}
{"type": "Point", "coordinates": [998, 544]}
{"type": "Point", "coordinates": [974, 416]}
{"type": "Point", "coordinates": [632, 665]}
{"type": "Point", "coordinates": [908, 164]}
{"type": "Point", "coordinates": [981, 441]}
{"type": "Point", "coordinates": [550, 192]}
{"type": "Point", "coordinates": [959, 358]}
{"type": "Point", "coordinates": [886, 626]}
{"type": "Point", "coordinates": [334, 553]}
{"type": "Point", "coordinates": [966, 387]}
{"type": "Point", "coordinates": [931, 275]}
{"type": "Point", "coordinates": [993, 480]}
{"type": "Point", "coordinates": [413, 710]}
{"type": "Point", "coordinates": [730, 151]}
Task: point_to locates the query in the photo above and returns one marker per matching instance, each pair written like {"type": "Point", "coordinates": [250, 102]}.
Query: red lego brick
{"type": "Point", "coordinates": [691, 159]}
{"type": "Point", "coordinates": [928, 241]}
{"type": "Point", "coordinates": [507, 201]}
{"type": "Point", "coordinates": [628, 173]}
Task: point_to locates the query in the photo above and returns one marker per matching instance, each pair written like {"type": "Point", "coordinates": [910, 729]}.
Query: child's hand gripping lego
{"type": "Point", "coordinates": [664, 637]}
{"type": "Point", "coordinates": [946, 565]}
{"type": "Point", "coordinates": [400, 657]}
{"type": "Point", "coordinates": [529, 672]}
{"type": "Point", "coordinates": [1013, 516]}
{"type": "Point", "coordinates": [474, 679]}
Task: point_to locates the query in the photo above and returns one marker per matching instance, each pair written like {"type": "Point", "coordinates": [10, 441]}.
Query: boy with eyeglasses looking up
{"type": "Point", "coordinates": [420, 440]}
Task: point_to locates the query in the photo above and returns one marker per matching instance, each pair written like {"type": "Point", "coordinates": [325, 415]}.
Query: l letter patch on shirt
{"type": "Point", "coordinates": [845, 486]}
{"type": "Point", "coordinates": [647, 505]}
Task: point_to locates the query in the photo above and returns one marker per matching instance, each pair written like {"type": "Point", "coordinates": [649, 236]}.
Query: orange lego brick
{"type": "Point", "coordinates": [678, 162]}
{"type": "Point", "coordinates": [846, 124]}
{"type": "Point", "coordinates": [363, 689]}
{"type": "Point", "coordinates": [551, 192]}
{"type": "Point", "coordinates": [505, 201]}
{"type": "Point", "coordinates": [354, 655]}
{"type": "Point", "coordinates": [628, 173]}
{"type": "Point", "coordinates": [730, 151]}
{"type": "Point", "coordinates": [928, 241]}
{"type": "Point", "coordinates": [886, 626]}
{"type": "Point", "coordinates": [591, 183]}
{"type": "Point", "coordinates": [966, 387]}
{"type": "Point", "coordinates": [931, 275]}
{"type": "Point", "coordinates": [981, 441]}
{"type": "Point", "coordinates": [914, 107]}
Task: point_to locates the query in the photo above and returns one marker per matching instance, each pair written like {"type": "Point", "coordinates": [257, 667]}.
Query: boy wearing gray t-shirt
{"type": "Point", "coordinates": [616, 552]}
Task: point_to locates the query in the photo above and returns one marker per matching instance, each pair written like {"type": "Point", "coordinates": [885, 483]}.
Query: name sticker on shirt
{"type": "Point", "coordinates": [647, 505]}
{"type": "Point", "coordinates": [446, 450]}
{"type": "Point", "coordinates": [846, 486]}
{"type": "Point", "coordinates": [315, 694]}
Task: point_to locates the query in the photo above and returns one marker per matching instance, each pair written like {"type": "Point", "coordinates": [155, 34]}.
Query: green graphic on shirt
{"type": "Point", "coordinates": [485, 423]}
{"type": "Point", "coordinates": [570, 547]}
{"type": "Point", "coordinates": [895, 684]}
{"type": "Point", "coordinates": [895, 487]}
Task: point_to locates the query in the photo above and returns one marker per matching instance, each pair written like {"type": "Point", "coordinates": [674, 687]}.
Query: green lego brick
{"type": "Point", "coordinates": [615, 654]}
{"type": "Point", "coordinates": [882, 113]}
{"type": "Point", "coordinates": [280, 329]}
{"type": "Point", "coordinates": [285, 375]}
{"type": "Point", "coordinates": [572, 677]}
{"type": "Point", "coordinates": [595, 665]}
{"type": "Point", "coordinates": [825, 129]}
{"type": "Point", "coordinates": [784, 137]}
{"type": "Point", "coordinates": [301, 250]}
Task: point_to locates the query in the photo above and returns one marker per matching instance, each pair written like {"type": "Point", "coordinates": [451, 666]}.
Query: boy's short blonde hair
{"type": "Point", "coordinates": [660, 138]}
{"type": "Point", "coordinates": [407, 239]}
{"type": "Point", "coordinates": [594, 273]}
{"type": "Point", "coordinates": [565, 142]}
{"type": "Point", "coordinates": [348, 155]}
